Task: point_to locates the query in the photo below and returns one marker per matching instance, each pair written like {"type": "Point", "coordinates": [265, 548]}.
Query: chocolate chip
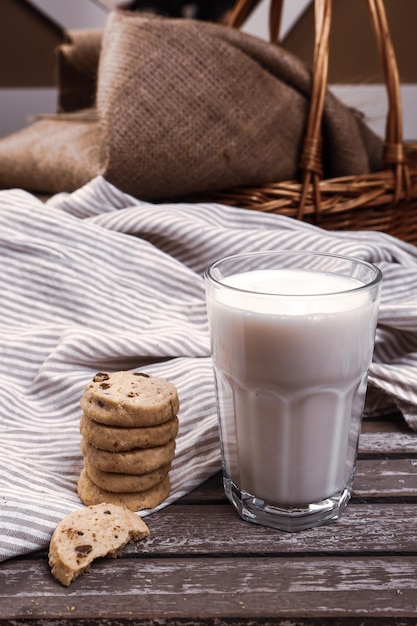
{"type": "Point", "coordinates": [100, 376]}
{"type": "Point", "coordinates": [83, 550]}
{"type": "Point", "coordinates": [105, 386]}
{"type": "Point", "coordinates": [132, 394]}
{"type": "Point", "coordinates": [141, 374]}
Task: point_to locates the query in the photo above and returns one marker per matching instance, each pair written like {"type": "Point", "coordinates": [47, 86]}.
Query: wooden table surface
{"type": "Point", "coordinates": [203, 565]}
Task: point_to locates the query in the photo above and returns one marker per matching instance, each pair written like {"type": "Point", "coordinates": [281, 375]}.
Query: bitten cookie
{"type": "Point", "coordinates": [135, 501]}
{"type": "Point", "coordinates": [129, 399]}
{"type": "Point", "coordinates": [89, 533]}
{"type": "Point", "coordinates": [122, 483]}
{"type": "Point", "coordinates": [136, 461]}
{"type": "Point", "coordinates": [117, 438]}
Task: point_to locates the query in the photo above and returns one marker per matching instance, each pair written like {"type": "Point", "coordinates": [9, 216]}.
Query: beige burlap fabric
{"type": "Point", "coordinates": [77, 64]}
{"type": "Point", "coordinates": [51, 156]}
{"type": "Point", "coordinates": [185, 107]}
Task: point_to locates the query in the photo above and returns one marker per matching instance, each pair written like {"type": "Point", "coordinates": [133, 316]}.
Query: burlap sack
{"type": "Point", "coordinates": [186, 107]}
{"type": "Point", "coordinates": [77, 63]}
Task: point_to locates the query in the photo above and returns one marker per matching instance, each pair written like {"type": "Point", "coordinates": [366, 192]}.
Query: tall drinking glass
{"type": "Point", "coordinates": [292, 338]}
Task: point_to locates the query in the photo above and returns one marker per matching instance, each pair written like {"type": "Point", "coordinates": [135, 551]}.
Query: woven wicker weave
{"type": "Point", "coordinates": [384, 201]}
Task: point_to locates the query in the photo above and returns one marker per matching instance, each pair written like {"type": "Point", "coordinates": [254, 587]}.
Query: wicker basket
{"type": "Point", "coordinates": [383, 201]}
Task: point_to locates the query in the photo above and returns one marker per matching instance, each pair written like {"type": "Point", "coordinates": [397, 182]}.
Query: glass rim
{"type": "Point", "coordinates": [208, 274]}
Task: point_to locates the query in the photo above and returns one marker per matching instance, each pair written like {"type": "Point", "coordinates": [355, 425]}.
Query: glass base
{"type": "Point", "coordinates": [287, 518]}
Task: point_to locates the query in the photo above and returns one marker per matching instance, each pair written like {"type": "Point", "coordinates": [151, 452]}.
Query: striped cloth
{"type": "Point", "coordinates": [98, 280]}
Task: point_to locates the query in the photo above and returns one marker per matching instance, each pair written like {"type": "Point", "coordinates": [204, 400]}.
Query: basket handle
{"type": "Point", "coordinates": [311, 156]}
{"type": "Point", "coordinates": [394, 152]}
{"type": "Point", "coordinates": [243, 9]}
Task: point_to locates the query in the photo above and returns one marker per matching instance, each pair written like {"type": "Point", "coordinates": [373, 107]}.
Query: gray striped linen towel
{"type": "Point", "coordinates": [98, 280]}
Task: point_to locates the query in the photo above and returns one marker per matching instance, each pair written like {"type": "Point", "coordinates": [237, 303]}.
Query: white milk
{"type": "Point", "coordinates": [291, 379]}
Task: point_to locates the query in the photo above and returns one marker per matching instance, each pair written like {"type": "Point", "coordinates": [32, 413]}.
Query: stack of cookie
{"type": "Point", "coordinates": [128, 426]}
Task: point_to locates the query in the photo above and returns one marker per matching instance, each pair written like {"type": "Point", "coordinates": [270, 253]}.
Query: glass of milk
{"type": "Point", "coordinates": [292, 337]}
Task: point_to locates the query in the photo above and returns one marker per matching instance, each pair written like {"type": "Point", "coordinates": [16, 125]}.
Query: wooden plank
{"type": "Point", "coordinates": [387, 436]}
{"type": "Point", "coordinates": [217, 530]}
{"type": "Point", "coordinates": [392, 424]}
{"type": "Point", "coordinates": [250, 588]}
{"type": "Point", "coordinates": [388, 443]}
{"type": "Point", "coordinates": [375, 478]}
{"type": "Point", "coordinates": [361, 528]}
{"type": "Point", "coordinates": [208, 530]}
{"type": "Point", "coordinates": [386, 478]}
